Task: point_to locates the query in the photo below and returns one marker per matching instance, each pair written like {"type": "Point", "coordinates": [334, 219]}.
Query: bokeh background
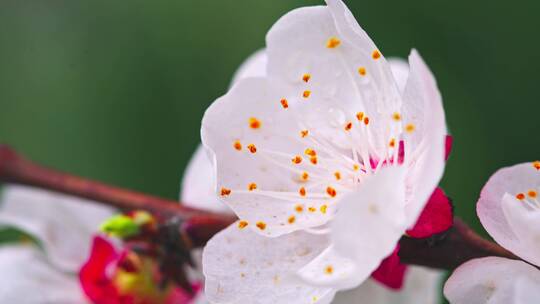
{"type": "Point", "coordinates": [115, 90]}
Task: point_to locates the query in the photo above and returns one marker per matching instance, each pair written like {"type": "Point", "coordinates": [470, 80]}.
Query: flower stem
{"type": "Point", "coordinates": [459, 245]}
{"type": "Point", "coordinates": [17, 170]}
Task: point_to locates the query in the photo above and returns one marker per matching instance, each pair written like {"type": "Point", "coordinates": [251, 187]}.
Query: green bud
{"type": "Point", "coordinates": [120, 226]}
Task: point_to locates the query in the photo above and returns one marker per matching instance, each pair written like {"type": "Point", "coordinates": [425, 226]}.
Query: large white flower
{"type": "Point", "coordinates": [322, 148]}
{"type": "Point", "coordinates": [509, 209]}
{"type": "Point", "coordinates": [421, 285]}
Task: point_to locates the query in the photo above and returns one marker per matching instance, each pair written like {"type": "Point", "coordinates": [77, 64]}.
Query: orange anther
{"type": "Point", "coordinates": [333, 42]}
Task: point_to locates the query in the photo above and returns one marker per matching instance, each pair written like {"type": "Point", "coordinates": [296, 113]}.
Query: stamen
{"type": "Point", "coordinates": [305, 176]}
{"type": "Point", "coordinates": [362, 71]}
{"type": "Point", "coordinates": [252, 148]}
{"type": "Point", "coordinates": [532, 194]}
{"type": "Point", "coordinates": [348, 126]}
{"type": "Point", "coordinates": [252, 186]}
{"type": "Point", "coordinates": [261, 225]}
{"type": "Point", "coordinates": [323, 209]}
{"type": "Point", "coordinates": [366, 120]}
{"type": "Point", "coordinates": [312, 209]}
{"type": "Point", "coordinates": [409, 128]}
{"type": "Point", "coordinates": [297, 159]}
{"type": "Point", "coordinates": [299, 208]}
{"type": "Point", "coordinates": [237, 145]}
{"type": "Point", "coordinates": [284, 103]}
{"type": "Point", "coordinates": [520, 196]}
{"type": "Point", "coordinates": [337, 174]}
{"type": "Point", "coordinates": [254, 123]}
{"type": "Point", "coordinates": [376, 54]}
{"type": "Point", "coordinates": [306, 93]}
{"type": "Point", "coordinates": [360, 116]}
{"type": "Point", "coordinates": [396, 116]}
{"type": "Point", "coordinates": [306, 77]}
{"type": "Point", "coordinates": [310, 152]}
{"type": "Point", "coordinates": [329, 269]}
{"type": "Point", "coordinates": [242, 224]}
{"type": "Point", "coordinates": [331, 191]}
{"type": "Point", "coordinates": [225, 191]}
{"type": "Point", "coordinates": [302, 191]}
{"type": "Point", "coordinates": [304, 133]}
{"type": "Point", "coordinates": [392, 143]}
{"type": "Point", "coordinates": [313, 160]}
{"type": "Point", "coordinates": [291, 219]}
{"type": "Point", "coordinates": [333, 42]}
{"type": "Point", "coordinates": [536, 164]}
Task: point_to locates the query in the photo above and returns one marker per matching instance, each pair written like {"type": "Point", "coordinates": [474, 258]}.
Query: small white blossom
{"type": "Point", "coordinates": [64, 226]}
{"type": "Point", "coordinates": [509, 209]}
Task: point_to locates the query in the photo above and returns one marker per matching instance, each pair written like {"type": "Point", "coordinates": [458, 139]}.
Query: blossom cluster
{"type": "Point", "coordinates": [328, 153]}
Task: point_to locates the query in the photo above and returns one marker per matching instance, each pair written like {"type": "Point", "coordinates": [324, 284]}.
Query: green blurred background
{"type": "Point", "coordinates": [115, 90]}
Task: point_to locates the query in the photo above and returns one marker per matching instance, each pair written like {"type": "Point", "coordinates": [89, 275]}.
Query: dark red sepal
{"type": "Point", "coordinates": [391, 273]}
{"type": "Point", "coordinates": [448, 146]}
{"type": "Point", "coordinates": [95, 281]}
{"type": "Point", "coordinates": [437, 216]}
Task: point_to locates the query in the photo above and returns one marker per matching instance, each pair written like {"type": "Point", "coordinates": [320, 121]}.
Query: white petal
{"type": "Point", "coordinates": [365, 230]}
{"type": "Point", "coordinates": [493, 280]}
{"type": "Point", "coordinates": [198, 184]}
{"type": "Point", "coordinates": [350, 30]}
{"type": "Point", "coordinates": [332, 269]}
{"type": "Point", "coordinates": [297, 45]}
{"type": "Point", "coordinates": [28, 279]}
{"type": "Point", "coordinates": [425, 147]}
{"type": "Point", "coordinates": [270, 168]}
{"type": "Point", "coordinates": [199, 180]}
{"type": "Point", "coordinates": [504, 218]}
{"type": "Point", "coordinates": [421, 286]}
{"type": "Point", "coordinates": [241, 266]}
{"type": "Point", "coordinates": [63, 224]}
{"type": "Point", "coordinates": [400, 70]}
{"type": "Point", "coordinates": [254, 66]}
{"type": "Point", "coordinates": [525, 223]}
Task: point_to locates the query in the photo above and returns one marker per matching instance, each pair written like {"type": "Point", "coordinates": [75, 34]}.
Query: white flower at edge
{"type": "Point", "coordinates": [509, 210]}
{"type": "Point", "coordinates": [319, 131]}
{"type": "Point", "coordinates": [64, 227]}
{"type": "Point", "coordinates": [421, 284]}
{"type": "Point", "coordinates": [28, 278]}
{"type": "Point", "coordinates": [63, 224]}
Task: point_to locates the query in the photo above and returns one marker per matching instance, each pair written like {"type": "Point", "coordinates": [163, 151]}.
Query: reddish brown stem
{"type": "Point", "coordinates": [460, 244]}
{"type": "Point", "coordinates": [18, 170]}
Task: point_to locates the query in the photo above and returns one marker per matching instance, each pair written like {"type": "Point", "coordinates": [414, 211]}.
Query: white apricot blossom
{"type": "Point", "coordinates": [509, 210]}
{"type": "Point", "coordinates": [324, 153]}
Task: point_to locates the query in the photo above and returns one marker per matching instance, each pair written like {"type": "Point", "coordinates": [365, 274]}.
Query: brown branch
{"type": "Point", "coordinates": [18, 170]}
{"type": "Point", "coordinates": [460, 244]}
